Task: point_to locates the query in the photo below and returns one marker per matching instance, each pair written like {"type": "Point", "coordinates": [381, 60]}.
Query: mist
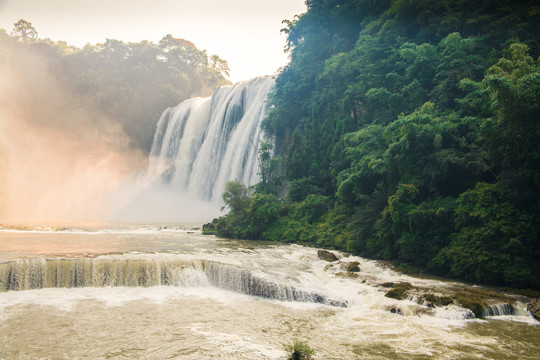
{"type": "Point", "coordinates": [140, 201]}
{"type": "Point", "coordinates": [60, 158]}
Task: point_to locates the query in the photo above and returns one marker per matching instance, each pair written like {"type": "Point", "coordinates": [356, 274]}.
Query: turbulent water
{"type": "Point", "coordinates": [166, 291]}
{"type": "Point", "coordinates": [202, 143]}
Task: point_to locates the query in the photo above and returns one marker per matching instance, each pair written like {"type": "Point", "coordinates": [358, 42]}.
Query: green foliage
{"type": "Point", "coordinates": [298, 189]}
{"type": "Point", "coordinates": [268, 169]}
{"type": "Point", "coordinates": [236, 196]}
{"type": "Point", "coordinates": [249, 215]}
{"type": "Point", "coordinates": [299, 350]}
{"type": "Point", "coordinates": [408, 131]}
{"type": "Point", "coordinates": [495, 242]}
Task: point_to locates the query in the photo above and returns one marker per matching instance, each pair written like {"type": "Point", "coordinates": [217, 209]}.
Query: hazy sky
{"type": "Point", "coordinates": [246, 33]}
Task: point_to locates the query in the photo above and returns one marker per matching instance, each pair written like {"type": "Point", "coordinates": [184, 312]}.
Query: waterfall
{"type": "Point", "coordinates": [73, 273]}
{"type": "Point", "coordinates": [506, 309]}
{"type": "Point", "coordinates": [202, 143]}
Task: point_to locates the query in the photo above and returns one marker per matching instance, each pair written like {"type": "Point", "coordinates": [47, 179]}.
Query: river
{"type": "Point", "coordinates": [164, 291]}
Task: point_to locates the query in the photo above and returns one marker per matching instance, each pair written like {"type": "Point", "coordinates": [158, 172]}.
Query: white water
{"type": "Point", "coordinates": [198, 147]}
{"type": "Point", "coordinates": [205, 142]}
{"type": "Point", "coordinates": [166, 291]}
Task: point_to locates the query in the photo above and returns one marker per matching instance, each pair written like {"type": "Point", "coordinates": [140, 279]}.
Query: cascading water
{"type": "Point", "coordinates": [73, 273]}
{"type": "Point", "coordinates": [202, 143]}
{"type": "Point", "coordinates": [167, 291]}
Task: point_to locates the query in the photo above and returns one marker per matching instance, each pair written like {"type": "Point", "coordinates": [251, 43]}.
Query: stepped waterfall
{"type": "Point", "coordinates": [146, 272]}
{"type": "Point", "coordinates": [202, 143]}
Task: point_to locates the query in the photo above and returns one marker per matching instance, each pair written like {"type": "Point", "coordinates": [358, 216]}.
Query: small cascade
{"type": "Point", "coordinates": [240, 280]}
{"type": "Point", "coordinates": [202, 143]}
{"type": "Point", "coordinates": [506, 309]}
{"type": "Point", "coordinates": [99, 272]}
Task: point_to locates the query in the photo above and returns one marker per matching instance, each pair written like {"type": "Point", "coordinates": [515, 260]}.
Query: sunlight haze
{"type": "Point", "coordinates": [243, 32]}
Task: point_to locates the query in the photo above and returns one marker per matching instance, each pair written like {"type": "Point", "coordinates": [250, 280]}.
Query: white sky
{"type": "Point", "coordinates": [246, 33]}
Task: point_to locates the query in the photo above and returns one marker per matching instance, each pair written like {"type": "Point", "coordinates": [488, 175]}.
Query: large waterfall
{"type": "Point", "coordinates": [202, 143]}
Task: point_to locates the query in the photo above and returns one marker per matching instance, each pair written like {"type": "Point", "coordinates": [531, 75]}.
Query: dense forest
{"type": "Point", "coordinates": [406, 131]}
{"type": "Point", "coordinates": [123, 84]}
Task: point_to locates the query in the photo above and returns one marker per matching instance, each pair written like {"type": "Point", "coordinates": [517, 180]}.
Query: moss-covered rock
{"type": "Point", "coordinates": [326, 255]}
{"type": "Point", "coordinates": [434, 300]}
{"type": "Point", "coordinates": [393, 294]}
{"type": "Point", "coordinates": [471, 302]}
{"type": "Point", "coordinates": [398, 291]}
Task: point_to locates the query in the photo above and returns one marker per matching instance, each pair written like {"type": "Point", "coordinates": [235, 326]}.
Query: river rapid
{"type": "Point", "coordinates": [164, 291]}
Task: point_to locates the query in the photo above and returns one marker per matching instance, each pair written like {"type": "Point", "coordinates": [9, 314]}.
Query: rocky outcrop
{"type": "Point", "coordinates": [326, 255]}
{"type": "Point", "coordinates": [398, 291]}
{"type": "Point", "coordinates": [534, 308]}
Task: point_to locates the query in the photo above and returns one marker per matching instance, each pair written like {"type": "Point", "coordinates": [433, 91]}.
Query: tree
{"type": "Point", "coordinates": [219, 65]}
{"type": "Point", "coordinates": [24, 30]}
{"type": "Point", "coordinates": [513, 85]}
{"type": "Point", "coordinates": [268, 167]}
{"type": "Point", "coordinates": [236, 196]}
{"type": "Point", "coordinates": [495, 242]}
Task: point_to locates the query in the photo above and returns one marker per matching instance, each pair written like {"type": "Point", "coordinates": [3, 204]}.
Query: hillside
{"type": "Point", "coordinates": [406, 131]}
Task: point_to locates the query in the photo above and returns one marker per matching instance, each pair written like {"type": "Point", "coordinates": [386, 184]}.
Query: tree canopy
{"type": "Point", "coordinates": [128, 83]}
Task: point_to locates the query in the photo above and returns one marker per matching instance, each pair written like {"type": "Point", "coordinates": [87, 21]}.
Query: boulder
{"type": "Point", "coordinates": [326, 255]}
{"type": "Point", "coordinates": [534, 308]}
{"type": "Point", "coordinates": [351, 266]}
{"type": "Point", "coordinates": [395, 310]}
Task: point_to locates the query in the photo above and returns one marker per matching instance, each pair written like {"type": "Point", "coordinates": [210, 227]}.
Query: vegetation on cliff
{"type": "Point", "coordinates": [127, 84]}
{"type": "Point", "coordinates": [408, 131]}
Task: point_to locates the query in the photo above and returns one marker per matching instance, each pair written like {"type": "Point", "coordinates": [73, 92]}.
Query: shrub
{"type": "Point", "coordinates": [299, 350]}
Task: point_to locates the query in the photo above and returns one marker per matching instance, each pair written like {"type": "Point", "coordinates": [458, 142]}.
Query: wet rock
{"type": "Point", "coordinates": [349, 275]}
{"type": "Point", "coordinates": [328, 267]}
{"type": "Point", "coordinates": [534, 308]}
{"type": "Point", "coordinates": [393, 294]}
{"type": "Point", "coordinates": [424, 311]}
{"type": "Point", "coordinates": [395, 310]}
{"type": "Point", "coordinates": [351, 266]}
{"type": "Point", "coordinates": [326, 255]}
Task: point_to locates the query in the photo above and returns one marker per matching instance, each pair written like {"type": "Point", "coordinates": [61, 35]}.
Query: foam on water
{"type": "Point", "coordinates": [193, 317]}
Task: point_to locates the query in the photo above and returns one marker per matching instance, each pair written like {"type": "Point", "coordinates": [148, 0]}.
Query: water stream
{"type": "Point", "coordinates": [166, 291]}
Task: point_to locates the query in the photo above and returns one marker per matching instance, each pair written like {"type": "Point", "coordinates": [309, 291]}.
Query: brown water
{"type": "Point", "coordinates": [194, 319]}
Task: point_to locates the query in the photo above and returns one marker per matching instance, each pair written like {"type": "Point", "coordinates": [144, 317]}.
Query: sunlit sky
{"type": "Point", "coordinates": [246, 33]}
